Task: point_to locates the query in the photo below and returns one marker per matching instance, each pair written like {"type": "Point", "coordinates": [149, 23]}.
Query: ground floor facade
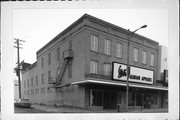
{"type": "Point", "coordinates": [98, 96]}
{"type": "Point", "coordinates": [109, 97]}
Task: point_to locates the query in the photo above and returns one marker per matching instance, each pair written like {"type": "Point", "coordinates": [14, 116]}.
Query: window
{"type": "Point", "coordinates": [135, 54]}
{"type": "Point", "coordinates": [119, 50]}
{"type": "Point", "coordinates": [49, 58]}
{"type": "Point", "coordinates": [96, 97]}
{"type": "Point", "coordinates": [28, 83]}
{"type": "Point", "coordinates": [93, 67]}
{"type": "Point", "coordinates": [42, 78]}
{"type": "Point", "coordinates": [24, 84]}
{"type": "Point", "coordinates": [94, 43]}
{"type": "Point", "coordinates": [58, 54]}
{"type": "Point", "coordinates": [42, 62]}
{"type": "Point", "coordinates": [42, 90]}
{"type": "Point", "coordinates": [107, 47]}
{"type": "Point", "coordinates": [37, 91]}
{"type": "Point", "coordinates": [49, 76]}
{"type": "Point", "coordinates": [107, 69]}
{"type": "Point", "coordinates": [31, 82]}
{"type": "Point", "coordinates": [28, 92]}
{"type": "Point", "coordinates": [152, 60]}
{"type": "Point", "coordinates": [36, 80]}
{"type": "Point", "coordinates": [32, 92]}
{"type": "Point", "coordinates": [144, 55]}
{"type": "Point", "coordinates": [131, 101]}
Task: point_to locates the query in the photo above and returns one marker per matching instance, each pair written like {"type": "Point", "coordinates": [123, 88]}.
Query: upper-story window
{"type": "Point", "coordinates": [144, 56]}
{"type": "Point", "coordinates": [31, 82]}
{"type": "Point", "coordinates": [28, 83]}
{"type": "Point", "coordinates": [94, 43]}
{"type": "Point", "coordinates": [93, 67]}
{"type": "Point", "coordinates": [42, 62]}
{"type": "Point", "coordinates": [107, 47]}
{"type": "Point", "coordinates": [42, 78]}
{"type": "Point", "coordinates": [24, 84]}
{"type": "Point", "coordinates": [107, 69]}
{"type": "Point", "coordinates": [36, 80]}
{"type": "Point", "coordinates": [49, 75]}
{"type": "Point", "coordinates": [58, 54]}
{"type": "Point", "coordinates": [119, 50]}
{"type": "Point", "coordinates": [152, 60]}
{"type": "Point", "coordinates": [49, 58]}
{"type": "Point", "coordinates": [135, 54]}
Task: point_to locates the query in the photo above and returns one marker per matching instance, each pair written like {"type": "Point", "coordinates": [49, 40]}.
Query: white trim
{"type": "Point", "coordinates": [151, 87]}
{"type": "Point", "coordinates": [94, 81]}
{"type": "Point", "coordinates": [120, 84]}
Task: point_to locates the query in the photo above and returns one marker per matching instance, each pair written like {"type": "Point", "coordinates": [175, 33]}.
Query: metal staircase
{"type": "Point", "coordinates": [67, 56]}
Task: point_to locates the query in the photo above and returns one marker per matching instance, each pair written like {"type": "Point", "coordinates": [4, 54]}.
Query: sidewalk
{"type": "Point", "coordinates": [51, 109]}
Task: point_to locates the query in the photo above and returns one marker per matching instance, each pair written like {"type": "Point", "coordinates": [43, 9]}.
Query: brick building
{"type": "Point", "coordinates": [85, 66]}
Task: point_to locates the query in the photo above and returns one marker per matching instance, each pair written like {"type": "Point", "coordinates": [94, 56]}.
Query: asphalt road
{"type": "Point", "coordinates": [28, 110]}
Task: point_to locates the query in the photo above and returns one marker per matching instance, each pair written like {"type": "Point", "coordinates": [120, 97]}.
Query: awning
{"type": "Point", "coordinates": [119, 83]}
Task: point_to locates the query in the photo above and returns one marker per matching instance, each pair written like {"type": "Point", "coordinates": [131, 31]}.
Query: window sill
{"type": "Point", "coordinates": [107, 54]}
{"type": "Point", "coordinates": [94, 51]}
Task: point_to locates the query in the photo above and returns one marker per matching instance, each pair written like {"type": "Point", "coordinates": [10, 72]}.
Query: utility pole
{"type": "Point", "coordinates": [128, 66]}
{"type": "Point", "coordinates": [18, 63]}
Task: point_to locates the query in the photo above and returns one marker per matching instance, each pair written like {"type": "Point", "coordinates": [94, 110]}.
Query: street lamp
{"type": "Point", "coordinates": [128, 67]}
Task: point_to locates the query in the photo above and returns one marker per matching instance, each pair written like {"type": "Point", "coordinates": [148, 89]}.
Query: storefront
{"type": "Point", "coordinates": [108, 94]}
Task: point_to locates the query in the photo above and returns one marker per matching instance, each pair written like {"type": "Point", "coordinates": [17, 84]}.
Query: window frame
{"type": "Point", "coordinates": [49, 58]}
{"type": "Point", "coordinates": [120, 55]}
{"type": "Point", "coordinates": [145, 57]}
{"type": "Point", "coordinates": [106, 67]}
{"type": "Point", "coordinates": [24, 83]}
{"type": "Point", "coordinates": [32, 84]}
{"type": "Point", "coordinates": [28, 83]}
{"type": "Point", "coordinates": [36, 80]}
{"type": "Point", "coordinates": [94, 43]}
{"type": "Point", "coordinates": [107, 46]}
{"type": "Point", "coordinates": [42, 62]}
{"type": "Point", "coordinates": [135, 53]}
{"type": "Point", "coordinates": [49, 75]}
{"type": "Point", "coordinates": [93, 67]}
{"type": "Point", "coordinates": [42, 78]}
{"type": "Point", "coordinates": [152, 59]}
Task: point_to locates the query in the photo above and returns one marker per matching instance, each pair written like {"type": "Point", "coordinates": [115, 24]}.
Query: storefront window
{"type": "Point", "coordinates": [154, 99]}
{"type": "Point", "coordinates": [131, 99]}
{"type": "Point", "coordinates": [95, 98]}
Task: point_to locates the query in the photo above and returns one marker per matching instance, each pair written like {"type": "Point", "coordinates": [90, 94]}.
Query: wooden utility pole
{"type": "Point", "coordinates": [18, 69]}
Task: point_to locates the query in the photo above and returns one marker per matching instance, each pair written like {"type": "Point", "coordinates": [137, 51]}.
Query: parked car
{"type": "Point", "coordinates": [22, 103]}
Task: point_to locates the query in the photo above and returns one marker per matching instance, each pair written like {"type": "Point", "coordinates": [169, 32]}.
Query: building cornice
{"type": "Point", "coordinates": [84, 20]}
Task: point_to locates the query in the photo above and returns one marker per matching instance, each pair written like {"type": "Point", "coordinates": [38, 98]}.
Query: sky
{"type": "Point", "coordinates": [38, 26]}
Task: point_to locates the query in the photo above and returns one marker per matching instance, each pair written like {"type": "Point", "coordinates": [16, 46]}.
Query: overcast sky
{"type": "Point", "coordinates": [38, 26]}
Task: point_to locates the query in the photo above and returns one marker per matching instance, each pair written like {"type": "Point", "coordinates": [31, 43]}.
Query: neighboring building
{"type": "Point", "coordinates": [85, 66]}
{"type": "Point", "coordinates": [163, 58]}
{"type": "Point", "coordinates": [163, 67]}
{"type": "Point", "coordinates": [16, 90]}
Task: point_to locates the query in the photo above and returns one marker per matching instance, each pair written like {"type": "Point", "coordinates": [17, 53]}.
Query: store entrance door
{"type": "Point", "coordinates": [110, 100]}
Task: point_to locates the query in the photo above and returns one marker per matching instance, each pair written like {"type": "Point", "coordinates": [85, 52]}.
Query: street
{"type": "Point", "coordinates": [28, 110]}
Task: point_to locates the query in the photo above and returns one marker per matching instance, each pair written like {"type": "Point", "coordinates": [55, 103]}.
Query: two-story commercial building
{"type": "Point", "coordinates": [86, 66]}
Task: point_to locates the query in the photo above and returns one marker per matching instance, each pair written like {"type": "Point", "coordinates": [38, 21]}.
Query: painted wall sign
{"type": "Point", "coordinates": [136, 74]}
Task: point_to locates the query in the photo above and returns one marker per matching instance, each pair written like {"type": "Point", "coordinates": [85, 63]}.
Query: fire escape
{"type": "Point", "coordinates": [66, 58]}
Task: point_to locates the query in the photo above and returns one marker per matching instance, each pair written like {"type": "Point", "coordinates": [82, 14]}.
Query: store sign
{"type": "Point", "coordinates": [136, 74]}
